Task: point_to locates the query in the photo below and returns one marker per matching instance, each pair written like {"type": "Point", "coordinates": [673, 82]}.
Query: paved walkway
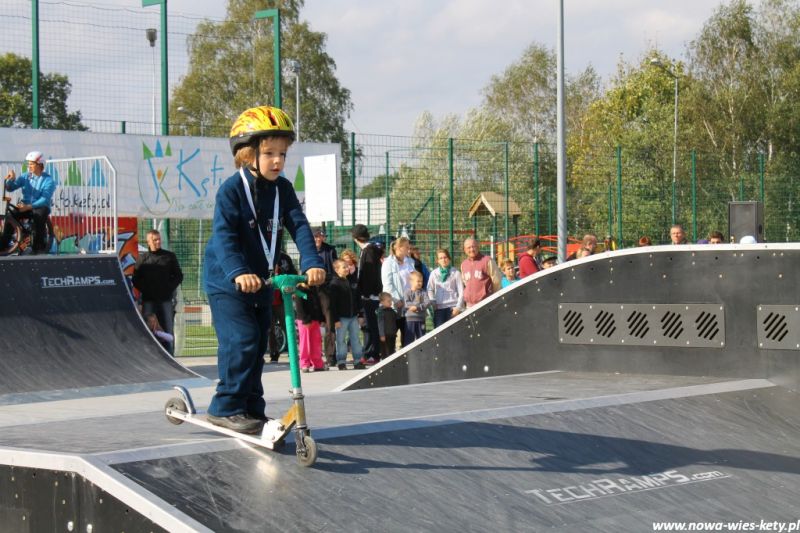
{"type": "Point", "coordinates": [276, 379]}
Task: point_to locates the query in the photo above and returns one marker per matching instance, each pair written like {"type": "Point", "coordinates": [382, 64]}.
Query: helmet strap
{"type": "Point", "coordinates": [255, 166]}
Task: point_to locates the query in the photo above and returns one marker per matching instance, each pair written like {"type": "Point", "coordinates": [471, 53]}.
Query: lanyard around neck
{"type": "Point", "coordinates": [269, 252]}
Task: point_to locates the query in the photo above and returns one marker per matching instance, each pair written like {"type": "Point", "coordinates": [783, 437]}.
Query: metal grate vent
{"type": "Point", "coordinates": [776, 327]}
{"type": "Point", "coordinates": [604, 324]}
{"type": "Point", "coordinates": [672, 325]}
{"type": "Point", "coordinates": [638, 325]}
{"type": "Point", "coordinates": [707, 326]}
{"type": "Point", "coordinates": [573, 323]}
{"type": "Point", "coordinates": [675, 325]}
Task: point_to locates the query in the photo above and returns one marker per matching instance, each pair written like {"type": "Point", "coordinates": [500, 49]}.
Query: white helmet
{"type": "Point", "coordinates": [748, 239]}
{"type": "Point", "coordinates": [35, 157]}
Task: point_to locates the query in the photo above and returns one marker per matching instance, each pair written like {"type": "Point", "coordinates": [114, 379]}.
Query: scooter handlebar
{"type": "Point", "coordinates": [280, 282]}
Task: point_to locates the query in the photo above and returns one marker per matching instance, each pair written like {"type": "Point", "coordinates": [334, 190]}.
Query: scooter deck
{"type": "Point", "coordinates": [271, 436]}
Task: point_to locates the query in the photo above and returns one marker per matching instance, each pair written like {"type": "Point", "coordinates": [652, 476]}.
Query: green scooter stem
{"type": "Point", "coordinates": [286, 284]}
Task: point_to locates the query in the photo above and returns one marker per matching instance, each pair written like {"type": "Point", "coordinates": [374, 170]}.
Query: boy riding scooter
{"type": "Point", "coordinates": [252, 208]}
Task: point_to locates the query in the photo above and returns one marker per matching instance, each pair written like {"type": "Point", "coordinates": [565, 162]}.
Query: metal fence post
{"type": "Point", "coordinates": [35, 104]}
{"type": "Point", "coordinates": [508, 193]}
{"type": "Point", "coordinates": [353, 177]}
{"type": "Point", "coordinates": [610, 209]}
{"type": "Point", "coordinates": [694, 196]}
{"type": "Point", "coordinates": [452, 180]}
{"type": "Point", "coordinates": [536, 188]}
{"type": "Point", "coordinates": [619, 196]}
{"type": "Point", "coordinates": [388, 204]}
{"type": "Point", "coordinates": [763, 186]}
{"type": "Point", "coordinates": [439, 223]}
{"type": "Point", "coordinates": [761, 177]}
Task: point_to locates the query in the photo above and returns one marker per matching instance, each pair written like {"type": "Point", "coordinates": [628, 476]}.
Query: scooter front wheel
{"type": "Point", "coordinates": [307, 456]}
{"type": "Point", "coordinates": [175, 404]}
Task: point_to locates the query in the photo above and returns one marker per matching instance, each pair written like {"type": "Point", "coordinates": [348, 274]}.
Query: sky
{"type": "Point", "coordinates": [401, 58]}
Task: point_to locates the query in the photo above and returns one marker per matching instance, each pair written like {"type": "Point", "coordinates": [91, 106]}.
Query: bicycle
{"type": "Point", "coordinates": [22, 234]}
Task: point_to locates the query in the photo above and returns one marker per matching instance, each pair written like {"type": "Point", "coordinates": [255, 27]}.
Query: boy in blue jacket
{"type": "Point", "coordinates": [252, 208]}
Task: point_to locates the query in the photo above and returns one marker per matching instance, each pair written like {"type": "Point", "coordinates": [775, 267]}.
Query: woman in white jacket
{"type": "Point", "coordinates": [394, 276]}
{"type": "Point", "coordinates": [445, 289]}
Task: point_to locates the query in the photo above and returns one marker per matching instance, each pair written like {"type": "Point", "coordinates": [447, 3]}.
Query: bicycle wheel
{"type": "Point", "coordinates": [16, 238]}
{"type": "Point", "coordinates": [280, 340]}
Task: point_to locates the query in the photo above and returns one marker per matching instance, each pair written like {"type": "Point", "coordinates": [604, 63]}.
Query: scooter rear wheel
{"type": "Point", "coordinates": [309, 456]}
{"type": "Point", "coordinates": [175, 404]}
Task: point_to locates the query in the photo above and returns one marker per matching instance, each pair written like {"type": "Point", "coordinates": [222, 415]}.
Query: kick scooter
{"type": "Point", "coordinates": [180, 410]}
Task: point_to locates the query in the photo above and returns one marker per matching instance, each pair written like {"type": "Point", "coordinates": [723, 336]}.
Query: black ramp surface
{"type": "Point", "coordinates": [724, 310]}
{"type": "Point", "coordinates": [69, 322]}
{"type": "Point", "coordinates": [720, 457]}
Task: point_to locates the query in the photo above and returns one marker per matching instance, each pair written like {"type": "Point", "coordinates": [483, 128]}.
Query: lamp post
{"type": "Point", "coordinates": [294, 67]}
{"type": "Point", "coordinates": [656, 62]}
{"type": "Point", "coordinates": [151, 34]}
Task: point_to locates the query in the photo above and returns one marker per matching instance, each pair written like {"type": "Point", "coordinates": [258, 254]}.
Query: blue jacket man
{"type": "Point", "coordinates": [252, 208]}
{"type": "Point", "coordinates": [37, 196]}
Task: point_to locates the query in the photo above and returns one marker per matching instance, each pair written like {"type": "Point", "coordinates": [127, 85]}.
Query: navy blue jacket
{"type": "Point", "coordinates": [235, 246]}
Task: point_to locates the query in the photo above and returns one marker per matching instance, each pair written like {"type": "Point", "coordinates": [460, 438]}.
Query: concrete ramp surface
{"type": "Point", "coordinates": [69, 322]}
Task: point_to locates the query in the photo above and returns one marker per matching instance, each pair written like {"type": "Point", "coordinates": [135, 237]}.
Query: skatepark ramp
{"type": "Point", "coordinates": [719, 310]}
{"type": "Point", "coordinates": [691, 423]}
{"type": "Point", "coordinates": [69, 325]}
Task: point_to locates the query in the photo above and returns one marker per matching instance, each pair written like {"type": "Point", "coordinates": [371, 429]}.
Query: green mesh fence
{"type": "Point", "coordinates": [104, 51]}
{"type": "Point", "coordinates": [426, 189]}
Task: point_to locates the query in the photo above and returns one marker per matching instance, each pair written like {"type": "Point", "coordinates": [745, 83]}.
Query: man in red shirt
{"type": "Point", "coordinates": [528, 262]}
{"type": "Point", "coordinates": [480, 274]}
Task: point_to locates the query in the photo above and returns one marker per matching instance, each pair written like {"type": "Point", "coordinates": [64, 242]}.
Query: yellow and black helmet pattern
{"type": "Point", "coordinates": [257, 122]}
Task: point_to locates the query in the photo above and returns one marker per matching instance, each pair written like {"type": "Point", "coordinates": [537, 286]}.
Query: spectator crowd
{"type": "Point", "coordinates": [372, 303]}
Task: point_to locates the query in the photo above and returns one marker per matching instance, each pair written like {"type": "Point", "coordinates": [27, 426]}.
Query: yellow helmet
{"type": "Point", "coordinates": [258, 122]}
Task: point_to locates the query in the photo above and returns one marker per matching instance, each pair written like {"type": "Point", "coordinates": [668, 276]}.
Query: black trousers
{"type": "Point", "coordinates": [388, 346]}
{"type": "Point", "coordinates": [373, 339]}
{"type": "Point", "coordinates": [165, 313]}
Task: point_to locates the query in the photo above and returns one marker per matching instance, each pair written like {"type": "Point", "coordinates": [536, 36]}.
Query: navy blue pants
{"type": "Point", "coordinates": [242, 332]}
{"type": "Point", "coordinates": [440, 316]}
{"type": "Point", "coordinates": [414, 330]}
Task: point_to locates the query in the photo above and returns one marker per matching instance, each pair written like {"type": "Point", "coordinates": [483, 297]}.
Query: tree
{"type": "Point", "coordinates": [519, 107]}
{"type": "Point", "coordinates": [746, 62]}
{"type": "Point", "coordinates": [231, 69]}
{"type": "Point", "coordinates": [635, 114]}
{"type": "Point", "coordinates": [16, 97]}
{"type": "Point", "coordinates": [729, 96]}
{"type": "Point", "coordinates": [524, 96]}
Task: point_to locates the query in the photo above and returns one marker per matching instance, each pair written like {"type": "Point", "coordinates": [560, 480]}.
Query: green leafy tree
{"type": "Point", "coordinates": [16, 97]}
{"type": "Point", "coordinates": [518, 107]}
{"type": "Point", "coordinates": [729, 99]}
{"type": "Point", "coordinates": [524, 96]}
{"type": "Point", "coordinates": [746, 62]}
{"type": "Point", "coordinates": [231, 69]}
{"type": "Point", "coordinates": [635, 114]}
